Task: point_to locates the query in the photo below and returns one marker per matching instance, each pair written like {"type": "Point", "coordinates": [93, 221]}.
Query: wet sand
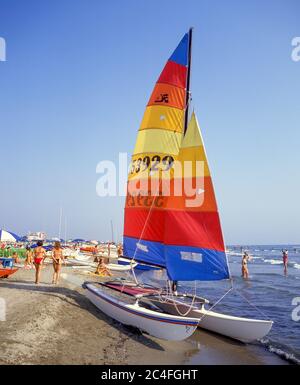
{"type": "Point", "coordinates": [57, 324]}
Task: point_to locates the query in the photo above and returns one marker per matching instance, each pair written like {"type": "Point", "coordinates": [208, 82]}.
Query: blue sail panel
{"type": "Point", "coordinates": [145, 251]}
{"type": "Point", "coordinates": [185, 263]}
{"type": "Point", "coordinates": [180, 55]}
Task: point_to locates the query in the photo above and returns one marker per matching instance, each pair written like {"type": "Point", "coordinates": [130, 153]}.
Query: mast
{"type": "Point", "coordinates": [60, 223]}
{"type": "Point", "coordinates": [187, 99]}
{"type": "Point", "coordinates": [112, 230]}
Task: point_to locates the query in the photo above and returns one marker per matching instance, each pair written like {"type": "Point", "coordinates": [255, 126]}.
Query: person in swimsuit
{"type": "Point", "coordinates": [58, 259]}
{"type": "Point", "coordinates": [120, 250]}
{"type": "Point", "coordinates": [39, 256]}
{"type": "Point", "coordinates": [285, 259]}
{"type": "Point", "coordinates": [15, 257]}
{"type": "Point", "coordinates": [102, 269]}
{"type": "Point", "coordinates": [29, 258]}
{"type": "Point", "coordinates": [95, 253]}
{"type": "Point", "coordinates": [245, 271]}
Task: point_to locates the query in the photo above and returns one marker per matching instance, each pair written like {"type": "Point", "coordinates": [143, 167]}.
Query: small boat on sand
{"type": "Point", "coordinates": [6, 272]}
{"type": "Point", "coordinates": [110, 266]}
{"type": "Point", "coordinates": [128, 311]}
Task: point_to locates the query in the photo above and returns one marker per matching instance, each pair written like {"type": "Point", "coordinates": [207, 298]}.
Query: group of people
{"type": "Point", "coordinates": [35, 257]}
{"type": "Point", "coordinates": [14, 255]}
{"type": "Point", "coordinates": [247, 257]}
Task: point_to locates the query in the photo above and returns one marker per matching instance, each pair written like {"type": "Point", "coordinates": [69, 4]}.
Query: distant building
{"type": "Point", "coordinates": [38, 236]}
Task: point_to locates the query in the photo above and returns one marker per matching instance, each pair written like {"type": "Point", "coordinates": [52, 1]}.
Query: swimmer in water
{"type": "Point", "coordinates": [245, 271]}
{"type": "Point", "coordinates": [285, 259]}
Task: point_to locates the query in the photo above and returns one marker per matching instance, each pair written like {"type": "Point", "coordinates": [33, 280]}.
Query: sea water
{"type": "Point", "coordinates": [273, 294]}
{"type": "Point", "coordinates": [267, 294]}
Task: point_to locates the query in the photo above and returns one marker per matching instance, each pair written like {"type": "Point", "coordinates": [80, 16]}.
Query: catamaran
{"type": "Point", "coordinates": [172, 220]}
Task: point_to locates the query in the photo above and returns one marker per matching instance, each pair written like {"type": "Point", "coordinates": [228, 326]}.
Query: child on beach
{"type": "Point", "coordinates": [39, 256]}
{"type": "Point", "coordinates": [245, 271]}
{"type": "Point", "coordinates": [58, 259]}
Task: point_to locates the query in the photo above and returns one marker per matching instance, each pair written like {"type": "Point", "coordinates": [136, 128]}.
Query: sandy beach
{"type": "Point", "coordinates": [48, 324]}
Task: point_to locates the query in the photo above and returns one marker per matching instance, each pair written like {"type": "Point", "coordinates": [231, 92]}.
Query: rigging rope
{"type": "Point", "coordinates": [251, 304]}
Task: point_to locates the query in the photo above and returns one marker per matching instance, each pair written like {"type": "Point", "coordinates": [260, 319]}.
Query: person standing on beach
{"type": "Point", "coordinates": [120, 250]}
{"type": "Point", "coordinates": [29, 258]}
{"type": "Point", "coordinates": [58, 259]}
{"type": "Point", "coordinates": [39, 256]}
{"type": "Point", "coordinates": [245, 271]}
{"type": "Point", "coordinates": [15, 257]}
{"type": "Point", "coordinates": [285, 259]}
{"type": "Point", "coordinates": [95, 253]}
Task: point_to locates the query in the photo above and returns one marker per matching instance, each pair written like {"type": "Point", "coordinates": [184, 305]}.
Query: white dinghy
{"type": "Point", "coordinates": [152, 321]}
{"type": "Point", "coordinates": [109, 266]}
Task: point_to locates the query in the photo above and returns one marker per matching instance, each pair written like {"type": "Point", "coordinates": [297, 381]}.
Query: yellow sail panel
{"type": "Point", "coordinates": [192, 137]}
{"type": "Point", "coordinates": [192, 148]}
{"type": "Point", "coordinates": [166, 118]}
{"type": "Point", "coordinates": [157, 141]}
{"type": "Point", "coordinates": [159, 165]}
{"type": "Point", "coordinates": [195, 154]}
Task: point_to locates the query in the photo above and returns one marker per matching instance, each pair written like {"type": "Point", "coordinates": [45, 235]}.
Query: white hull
{"type": "Point", "coordinates": [111, 266]}
{"type": "Point", "coordinates": [68, 252]}
{"type": "Point", "coordinates": [83, 258]}
{"type": "Point", "coordinates": [116, 267]}
{"type": "Point", "coordinates": [242, 329]}
{"type": "Point", "coordinates": [160, 325]}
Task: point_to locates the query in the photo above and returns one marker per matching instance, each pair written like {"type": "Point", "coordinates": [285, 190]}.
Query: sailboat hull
{"type": "Point", "coordinates": [157, 324]}
{"type": "Point", "coordinates": [111, 266]}
{"type": "Point", "coordinates": [242, 329]}
{"type": "Point", "coordinates": [5, 273]}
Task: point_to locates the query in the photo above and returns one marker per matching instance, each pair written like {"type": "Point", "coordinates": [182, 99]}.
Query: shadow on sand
{"type": "Point", "coordinates": [80, 300]}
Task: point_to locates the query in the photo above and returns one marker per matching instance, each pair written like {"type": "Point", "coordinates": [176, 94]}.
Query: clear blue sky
{"type": "Point", "coordinates": [74, 87]}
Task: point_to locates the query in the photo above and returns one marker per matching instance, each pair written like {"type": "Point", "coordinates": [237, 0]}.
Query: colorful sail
{"type": "Point", "coordinates": [156, 148]}
{"type": "Point", "coordinates": [171, 215]}
{"type": "Point", "coordinates": [194, 247]}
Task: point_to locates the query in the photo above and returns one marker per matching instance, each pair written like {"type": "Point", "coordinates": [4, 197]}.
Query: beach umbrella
{"type": "Point", "coordinates": [7, 236]}
{"type": "Point", "coordinates": [78, 240]}
{"type": "Point", "coordinates": [47, 247]}
{"type": "Point", "coordinates": [55, 239]}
